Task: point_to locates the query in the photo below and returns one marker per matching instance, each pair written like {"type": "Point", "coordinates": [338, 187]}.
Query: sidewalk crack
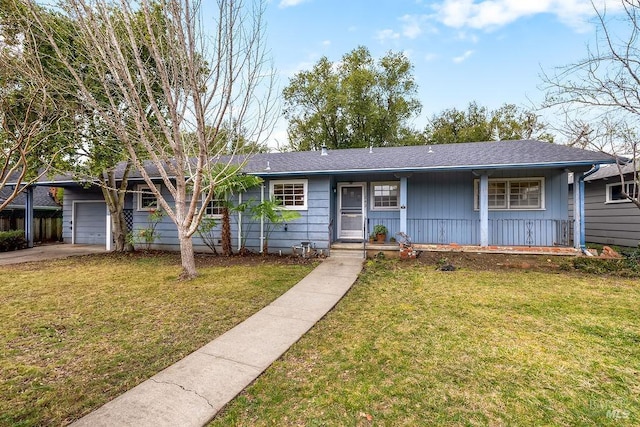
{"type": "Point", "coordinates": [185, 389]}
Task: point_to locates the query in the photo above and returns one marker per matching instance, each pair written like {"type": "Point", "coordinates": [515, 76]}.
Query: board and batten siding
{"type": "Point", "coordinates": [313, 226]}
{"type": "Point", "coordinates": [609, 223]}
{"type": "Point", "coordinates": [440, 209]}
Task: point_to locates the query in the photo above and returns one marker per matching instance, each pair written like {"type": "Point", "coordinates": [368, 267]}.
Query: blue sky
{"type": "Point", "coordinates": [490, 51]}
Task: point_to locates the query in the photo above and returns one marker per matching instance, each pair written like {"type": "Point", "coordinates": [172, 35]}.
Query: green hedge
{"type": "Point", "coordinates": [12, 240]}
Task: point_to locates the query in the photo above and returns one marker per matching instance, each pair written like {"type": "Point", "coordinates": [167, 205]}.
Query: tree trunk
{"type": "Point", "coordinates": [119, 230]}
{"type": "Point", "coordinates": [226, 233]}
{"type": "Point", "coordinates": [187, 257]}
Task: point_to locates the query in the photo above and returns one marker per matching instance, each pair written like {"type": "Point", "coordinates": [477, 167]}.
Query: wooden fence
{"type": "Point", "coordinates": [44, 229]}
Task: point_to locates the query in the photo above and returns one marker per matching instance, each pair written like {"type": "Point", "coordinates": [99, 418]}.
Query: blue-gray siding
{"type": "Point", "coordinates": [440, 209]}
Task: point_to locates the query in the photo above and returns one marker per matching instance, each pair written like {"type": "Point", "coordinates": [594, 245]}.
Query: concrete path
{"type": "Point", "coordinates": [192, 391]}
{"type": "Point", "coordinates": [45, 252]}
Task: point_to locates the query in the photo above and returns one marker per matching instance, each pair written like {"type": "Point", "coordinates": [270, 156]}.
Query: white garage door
{"type": "Point", "coordinates": [90, 223]}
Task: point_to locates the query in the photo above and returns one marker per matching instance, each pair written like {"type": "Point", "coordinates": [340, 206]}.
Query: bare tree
{"type": "Point", "coordinates": [600, 95]}
{"type": "Point", "coordinates": [207, 74]}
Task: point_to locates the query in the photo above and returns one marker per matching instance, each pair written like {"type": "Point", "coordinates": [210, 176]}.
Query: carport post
{"type": "Point", "coordinates": [28, 216]}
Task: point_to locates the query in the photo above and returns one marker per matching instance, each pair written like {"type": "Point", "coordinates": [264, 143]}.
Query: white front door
{"type": "Point", "coordinates": [351, 209]}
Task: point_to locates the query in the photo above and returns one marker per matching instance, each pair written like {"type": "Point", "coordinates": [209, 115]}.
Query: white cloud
{"type": "Point", "coordinates": [411, 26]}
{"type": "Point", "coordinates": [430, 57]}
{"type": "Point", "coordinates": [326, 43]}
{"type": "Point", "coordinates": [490, 14]}
{"type": "Point", "coordinates": [463, 57]}
{"type": "Point", "coordinates": [289, 3]}
{"type": "Point", "coordinates": [385, 35]}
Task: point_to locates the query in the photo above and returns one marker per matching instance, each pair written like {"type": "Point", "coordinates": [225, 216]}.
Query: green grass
{"type": "Point", "coordinates": [78, 332]}
{"type": "Point", "coordinates": [410, 346]}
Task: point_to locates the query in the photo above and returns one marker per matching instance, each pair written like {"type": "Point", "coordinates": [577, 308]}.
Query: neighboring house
{"type": "Point", "coordinates": [486, 193]}
{"type": "Point", "coordinates": [610, 218]}
{"type": "Point", "coordinates": [47, 213]}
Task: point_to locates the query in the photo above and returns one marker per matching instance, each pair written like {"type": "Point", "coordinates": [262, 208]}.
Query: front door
{"type": "Point", "coordinates": [351, 203]}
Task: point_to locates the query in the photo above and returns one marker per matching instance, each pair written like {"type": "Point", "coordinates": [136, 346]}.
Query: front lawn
{"type": "Point", "coordinates": [78, 332]}
{"type": "Point", "coordinates": [410, 346]}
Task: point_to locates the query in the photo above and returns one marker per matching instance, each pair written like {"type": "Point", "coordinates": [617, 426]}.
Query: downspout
{"type": "Point", "coordinates": [583, 245]}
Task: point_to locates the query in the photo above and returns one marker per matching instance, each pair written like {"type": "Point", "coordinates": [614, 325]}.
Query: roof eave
{"type": "Point", "coordinates": [549, 165]}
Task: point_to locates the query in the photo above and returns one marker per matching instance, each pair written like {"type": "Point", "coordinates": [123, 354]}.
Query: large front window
{"type": "Point", "coordinates": [292, 194]}
{"type": "Point", "coordinates": [512, 194]}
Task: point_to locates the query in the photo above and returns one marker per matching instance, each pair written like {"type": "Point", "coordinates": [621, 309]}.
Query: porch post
{"type": "Point", "coordinates": [28, 216]}
{"type": "Point", "coordinates": [262, 221]}
{"type": "Point", "coordinates": [484, 209]}
{"type": "Point", "coordinates": [109, 237]}
{"type": "Point", "coordinates": [578, 203]}
{"type": "Point", "coordinates": [403, 204]}
{"type": "Point", "coordinates": [239, 223]}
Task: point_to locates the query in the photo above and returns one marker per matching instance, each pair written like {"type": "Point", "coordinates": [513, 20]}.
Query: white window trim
{"type": "Point", "coordinates": [372, 186]}
{"type": "Point", "coordinates": [218, 216]}
{"type": "Point", "coordinates": [476, 190]}
{"type": "Point", "coordinates": [608, 193]}
{"type": "Point", "coordinates": [140, 188]}
{"type": "Point", "coordinates": [304, 182]}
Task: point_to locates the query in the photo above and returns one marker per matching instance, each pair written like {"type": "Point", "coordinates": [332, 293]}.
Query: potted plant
{"type": "Point", "coordinates": [381, 232]}
{"type": "Point", "coordinates": [372, 237]}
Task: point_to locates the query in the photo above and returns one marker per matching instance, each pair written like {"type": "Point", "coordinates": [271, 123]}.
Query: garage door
{"type": "Point", "coordinates": [90, 223]}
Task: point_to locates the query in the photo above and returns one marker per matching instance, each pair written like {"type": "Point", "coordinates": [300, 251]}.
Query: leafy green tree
{"type": "Point", "coordinates": [478, 123]}
{"type": "Point", "coordinates": [34, 125]}
{"type": "Point", "coordinates": [356, 102]}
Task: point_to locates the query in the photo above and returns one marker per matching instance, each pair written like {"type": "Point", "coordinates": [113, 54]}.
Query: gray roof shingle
{"type": "Point", "coordinates": [463, 156]}
{"type": "Point", "coordinates": [477, 155]}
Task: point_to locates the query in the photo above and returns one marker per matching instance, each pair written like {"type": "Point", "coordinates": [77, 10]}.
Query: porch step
{"type": "Point", "coordinates": [347, 253]}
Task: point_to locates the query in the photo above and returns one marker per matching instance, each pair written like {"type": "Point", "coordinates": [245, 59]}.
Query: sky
{"type": "Point", "coordinates": [489, 51]}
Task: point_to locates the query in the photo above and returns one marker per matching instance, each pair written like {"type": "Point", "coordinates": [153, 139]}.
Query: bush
{"type": "Point", "coordinates": [12, 240]}
{"type": "Point", "coordinates": [622, 267]}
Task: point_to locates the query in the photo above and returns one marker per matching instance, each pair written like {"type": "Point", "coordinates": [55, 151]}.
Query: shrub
{"type": "Point", "coordinates": [628, 267]}
{"type": "Point", "coordinates": [12, 240]}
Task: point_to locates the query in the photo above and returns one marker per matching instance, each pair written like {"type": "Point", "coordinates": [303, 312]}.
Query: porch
{"type": "Point", "coordinates": [391, 250]}
{"type": "Point", "coordinates": [505, 233]}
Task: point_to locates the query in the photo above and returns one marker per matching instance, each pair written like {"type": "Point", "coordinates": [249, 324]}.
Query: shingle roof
{"type": "Point", "coordinates": [607, 171]}
{"type": "Point", "coordinates": [464, 156]}
{"type": "Point", "coordinates": [41, 198]}
{"type": "Point", "coordinates": [476, 155]}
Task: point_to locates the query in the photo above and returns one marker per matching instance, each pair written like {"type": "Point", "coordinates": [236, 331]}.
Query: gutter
{"type": "Point", "coordinates": [583, 245]}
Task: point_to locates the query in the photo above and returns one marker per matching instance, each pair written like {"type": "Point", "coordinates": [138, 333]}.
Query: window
{"type": "Point", "coordinates": [512, 194]}
{"type": "Point", "coordinates": [214, 208]}
{"type": "Point", "coordinates": [146, 199]}
{"type": "Point", "coordinates": [291, 193]}
{"type": "Point", "coordinates": [614, 192]}
{"type": "Point", "coordinates": [385, 195]}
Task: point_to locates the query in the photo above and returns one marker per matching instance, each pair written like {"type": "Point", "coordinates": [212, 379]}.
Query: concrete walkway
{"type": "Point", "coordinates": [192, 391]}
{"type": "Point", "coordinates": [46, 252]}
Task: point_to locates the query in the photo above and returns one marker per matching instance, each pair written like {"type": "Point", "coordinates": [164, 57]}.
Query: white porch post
{"type": "Point", "coordinates": [109, 237]}
{"type": "Point", "coordinates": [239, 223]}
{"type": "Point", "coordinates": [484, 209]}
{"type": "Point", "coordinates": [262, 221]}
{"type": "Point", "coordinates": [577, 210]}
{"type": "Point", "coordinates": [28, 217]}
{"type": "Point", "coordinates": [403, 204]}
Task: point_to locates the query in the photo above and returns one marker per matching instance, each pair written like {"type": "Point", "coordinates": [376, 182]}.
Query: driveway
{"type": "Point", "coordinates": [45, 252]}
